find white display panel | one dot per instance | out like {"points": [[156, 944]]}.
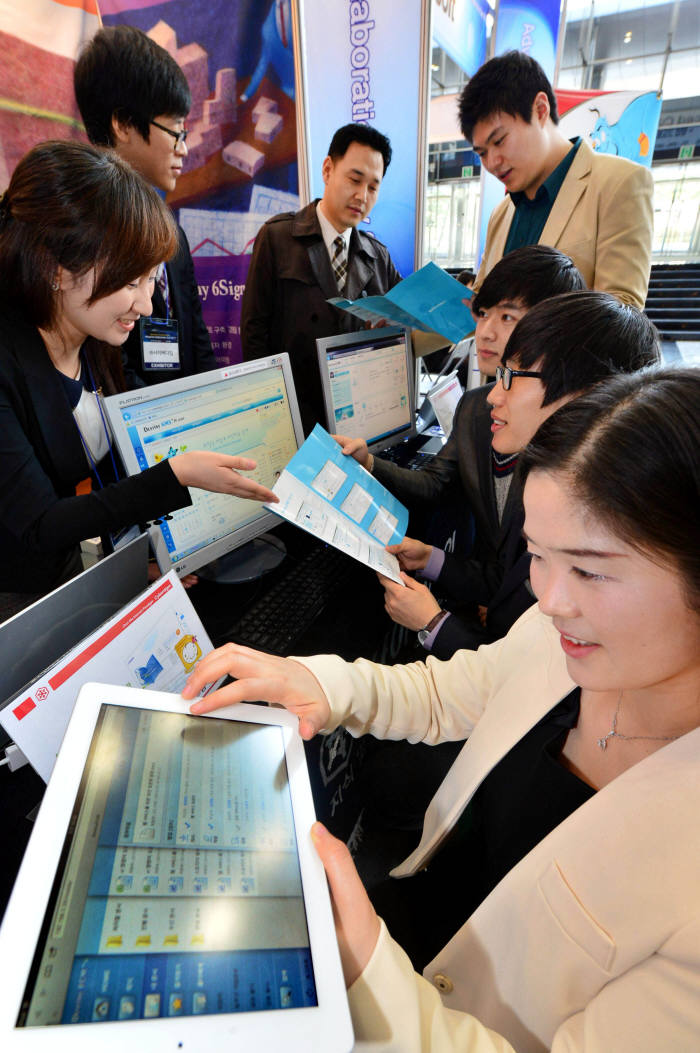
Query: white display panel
{"points": [[368, 385], [178, 896], [249, 410]]}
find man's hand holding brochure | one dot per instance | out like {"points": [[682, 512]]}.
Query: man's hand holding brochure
{"points": [[333, 497], [430, 300]]}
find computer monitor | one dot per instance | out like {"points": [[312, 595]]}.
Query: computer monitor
{"points": [[368, 385], [40, 634], [246, 410], [444, 398]]}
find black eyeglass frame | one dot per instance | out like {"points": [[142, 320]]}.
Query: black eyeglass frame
{"points": [[505, 374], [179, 137]]}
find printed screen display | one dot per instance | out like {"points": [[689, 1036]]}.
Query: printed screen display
{"points": [[246, 415], [370, 388], [179, 891]]}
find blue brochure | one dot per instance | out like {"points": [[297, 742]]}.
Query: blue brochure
{"points": [[333, 497], [430, 299]]}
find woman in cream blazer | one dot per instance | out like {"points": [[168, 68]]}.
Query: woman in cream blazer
{"points": [[591, 941], [596, 932]]}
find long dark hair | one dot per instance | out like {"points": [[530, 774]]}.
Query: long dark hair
{"points": [[78, 207], [628, 450]]}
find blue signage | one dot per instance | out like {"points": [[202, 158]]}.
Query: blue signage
{"points": [[459, 28], [363, 62]]}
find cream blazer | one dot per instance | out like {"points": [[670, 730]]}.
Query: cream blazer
{"points": [[602, 218], [592, 942]]}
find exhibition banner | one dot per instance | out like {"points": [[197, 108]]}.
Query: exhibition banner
{"points": [[241, 167], [531, 26], [366, 62], [623, 123], [459, 28], [39, 40]]}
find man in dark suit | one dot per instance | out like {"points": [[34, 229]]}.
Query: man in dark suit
{"points": [[562, 347], [301, 260], [495, 576], [134, 98]]}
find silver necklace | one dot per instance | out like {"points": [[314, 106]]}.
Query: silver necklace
{"points": [[615, 734]]}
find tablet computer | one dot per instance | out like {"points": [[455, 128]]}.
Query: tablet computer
{"points": [[170, 896]]}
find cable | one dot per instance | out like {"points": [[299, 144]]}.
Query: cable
{"points": [[14, 758]]}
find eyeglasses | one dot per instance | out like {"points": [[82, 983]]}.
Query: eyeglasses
{"points": [[179, 137], [505, 375]]}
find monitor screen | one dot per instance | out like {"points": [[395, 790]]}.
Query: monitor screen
{"points": [[247, 410], [178, 892], [368, 385], [39, 635], [445, 397]]}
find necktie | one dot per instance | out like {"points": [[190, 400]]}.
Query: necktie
{"points": [[339, 262], [162, 283]]}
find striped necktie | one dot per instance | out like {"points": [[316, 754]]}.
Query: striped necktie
{"points": [[339, 262], [162, 283]]}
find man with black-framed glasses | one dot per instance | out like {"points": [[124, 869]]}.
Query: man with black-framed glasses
{"points": [[505, 375], [559, 348], [134, 98], [180, 135]]}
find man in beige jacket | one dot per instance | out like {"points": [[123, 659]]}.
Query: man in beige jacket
{"points": [[596, 208]]}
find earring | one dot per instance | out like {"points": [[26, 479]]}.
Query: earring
{"points": [[55, 286]]}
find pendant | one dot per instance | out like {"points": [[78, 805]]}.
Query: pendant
{"points": [[603, 743]]}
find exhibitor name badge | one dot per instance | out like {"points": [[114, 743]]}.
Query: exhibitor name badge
{"points": [[160, 347]]}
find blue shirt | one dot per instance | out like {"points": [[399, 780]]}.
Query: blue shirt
{"points": [[531, 215]]}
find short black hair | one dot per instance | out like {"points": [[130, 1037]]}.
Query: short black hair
{"points": [[628, 451], [505, 84], [122, 73], [580, 338], [363, 134], [466, 277], [528, 275]]}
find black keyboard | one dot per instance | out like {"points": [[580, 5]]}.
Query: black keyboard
{"points": [[398, 456], [413, 453], [277, 620]]}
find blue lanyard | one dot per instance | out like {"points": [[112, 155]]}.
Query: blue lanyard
{"points": [[91, 461]]}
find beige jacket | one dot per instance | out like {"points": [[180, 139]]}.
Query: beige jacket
{"points": [[602, 218], [592, 942]]}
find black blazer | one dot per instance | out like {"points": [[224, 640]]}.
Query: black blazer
{"points": [[196, 355], [497, 573], [42, 459], [285, 300]]}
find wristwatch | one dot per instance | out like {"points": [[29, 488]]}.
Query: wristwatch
{"points": [[425, 632]]}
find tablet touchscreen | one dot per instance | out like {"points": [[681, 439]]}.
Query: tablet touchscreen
{"points": [[178, 891]]}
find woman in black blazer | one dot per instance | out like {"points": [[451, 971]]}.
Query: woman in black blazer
{"points": [[81, 236]]}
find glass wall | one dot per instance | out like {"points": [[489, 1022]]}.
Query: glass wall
{"points": [[608, 45], [632, 45], [676, 213], [451, 218]]}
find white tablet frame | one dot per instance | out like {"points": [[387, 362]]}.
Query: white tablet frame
{"points": [[326, 1026]]}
